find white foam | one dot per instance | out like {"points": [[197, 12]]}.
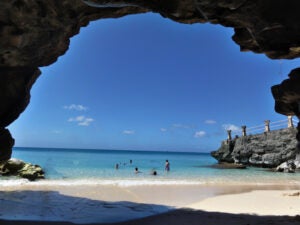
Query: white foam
{"points": [[121, 183], [13, 182], [143, 182]]}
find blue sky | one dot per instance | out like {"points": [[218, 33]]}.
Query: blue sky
{"points": [[142, 82]]}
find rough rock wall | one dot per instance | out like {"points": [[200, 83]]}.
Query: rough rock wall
{"points": [[287, 94], [263, 150], [287, 98], [34, 33]]}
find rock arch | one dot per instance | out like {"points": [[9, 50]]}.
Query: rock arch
{"points": [[34, 33]]}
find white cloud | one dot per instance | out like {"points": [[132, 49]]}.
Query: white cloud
{"points": [[178, 125], [199, 134], [56, 131], [81, 120], [128, 132], [163, 129], [231, 127], [75, 107], [210, 121], [76, 119], [86, 122]]}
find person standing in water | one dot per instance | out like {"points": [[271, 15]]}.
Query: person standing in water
{"points": [[167, 166]]}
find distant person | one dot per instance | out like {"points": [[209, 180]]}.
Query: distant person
{"points": [[117, 166], [136, 170], [167, 166], [153, 172], [130, 161]]}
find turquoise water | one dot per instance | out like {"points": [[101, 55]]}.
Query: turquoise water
{"points": [[98, 166]]}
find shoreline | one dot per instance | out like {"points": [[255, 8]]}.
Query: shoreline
{"points": [[101, 204]]}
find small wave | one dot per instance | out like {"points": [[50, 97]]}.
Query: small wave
{"points": [[141, 182], [121, 183], [13, 182], [147, 181]]}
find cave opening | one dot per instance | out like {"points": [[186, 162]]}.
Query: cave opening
{"points": [[142, 82]]}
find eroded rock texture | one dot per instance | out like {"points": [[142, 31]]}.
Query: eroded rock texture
{"points": [[34, 33], [15, 167], [287, 94], [268, 149], [287, 98]]}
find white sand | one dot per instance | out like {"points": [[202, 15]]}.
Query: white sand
{"points": [[255, 202], [110, 203]]}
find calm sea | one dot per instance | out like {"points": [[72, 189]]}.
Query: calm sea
{"points": [[98, 167]]}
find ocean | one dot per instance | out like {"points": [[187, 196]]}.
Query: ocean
{"points": [[67, 166]]}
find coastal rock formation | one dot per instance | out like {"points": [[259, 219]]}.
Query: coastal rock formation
{"points": [[268, 149], [35, 33], [16, 167], [288, 167], [287, 98]]}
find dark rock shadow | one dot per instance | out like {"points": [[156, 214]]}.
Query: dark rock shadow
{"points": [[185, 217], [42, 206], [199, 217], [52, 203]]}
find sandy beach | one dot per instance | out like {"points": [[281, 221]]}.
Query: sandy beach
{"points": [[41, 203]]}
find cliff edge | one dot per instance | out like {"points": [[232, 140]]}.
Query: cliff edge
{"points": [[269, 149]]}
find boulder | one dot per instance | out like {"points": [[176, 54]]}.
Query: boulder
{"points": [[16, 167], [287, 167]]}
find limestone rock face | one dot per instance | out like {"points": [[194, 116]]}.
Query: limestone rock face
{"points": [[224, 153], [16, 167], [263, 150], [35, 33]]}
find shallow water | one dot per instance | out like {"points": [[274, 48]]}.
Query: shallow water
{"points": [[72, 166]]}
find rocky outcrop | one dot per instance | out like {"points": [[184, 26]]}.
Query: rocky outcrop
{"points": [[16, 167], [264, 150], [287, 94], [287, 100], [35, 33], [288, 167]]}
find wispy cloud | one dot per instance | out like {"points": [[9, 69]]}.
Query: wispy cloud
{"points": [[163, 129], [81, 120], [128, 132], [179, 125], [231, 127], [210, 121], [75, 107], [56, 131], [199, 134]]}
